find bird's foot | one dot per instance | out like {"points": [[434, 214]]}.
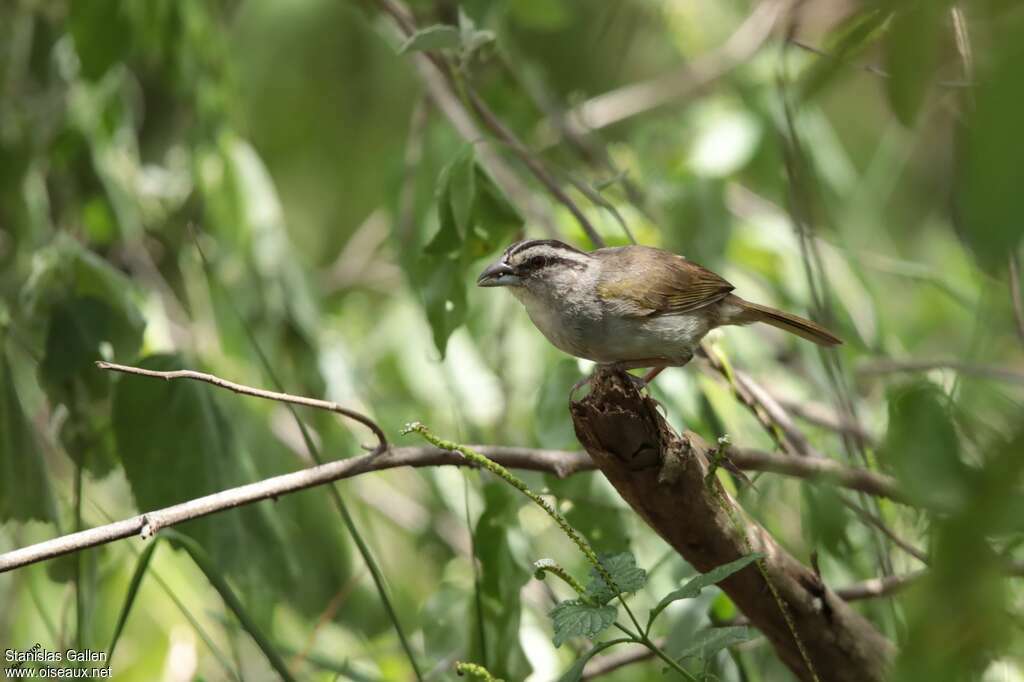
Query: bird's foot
{"points": [[577, 386]]}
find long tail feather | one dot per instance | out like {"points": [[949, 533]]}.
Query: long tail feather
{"points": [[794, 324]]}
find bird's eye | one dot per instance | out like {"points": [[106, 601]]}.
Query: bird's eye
{"points": [[537, 262]]}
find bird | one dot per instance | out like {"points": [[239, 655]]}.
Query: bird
{"points": [[629, 307]]}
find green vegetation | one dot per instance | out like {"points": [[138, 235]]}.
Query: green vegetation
{"points": [[298, 196]]}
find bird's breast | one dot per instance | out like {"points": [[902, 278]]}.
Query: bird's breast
{"points": [[587, 330]]}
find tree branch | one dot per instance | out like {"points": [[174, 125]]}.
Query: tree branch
{"points": [[382, 440], [812, 468], [557, 462], [664, 477], [993, 372], [406, 25], [639, 98]]}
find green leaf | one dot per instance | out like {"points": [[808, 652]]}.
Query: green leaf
{"points": [[175, 445], [825, 518], [922, 446], [577, 618], [595, 511], [549, 419], [444, 298], [575, 672], [78, 328], [988, 189], [102, 34], [494, 219], [141, 566], [502, 577], [696, 585], [456, 193], [217, 580], [24, 488], [623, 570], [912, 55], [436, 37], [707, 643], [462, 187]]}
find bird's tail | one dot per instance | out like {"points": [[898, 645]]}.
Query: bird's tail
{"points": [[794, 324]]}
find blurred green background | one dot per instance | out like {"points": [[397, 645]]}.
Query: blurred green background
{"points": [[264, 190]]}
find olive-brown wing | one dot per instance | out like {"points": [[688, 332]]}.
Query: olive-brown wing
{"points": [[644, 282]]}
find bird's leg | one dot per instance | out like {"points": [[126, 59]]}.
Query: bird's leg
{"points": [[654, 371], [577, 386]]}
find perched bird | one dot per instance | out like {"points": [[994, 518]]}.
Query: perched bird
{"points": [[628, 306]]}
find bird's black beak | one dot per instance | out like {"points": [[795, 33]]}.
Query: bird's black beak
{"points": [[497, 275]]}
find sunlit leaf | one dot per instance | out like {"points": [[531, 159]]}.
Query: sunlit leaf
{"points": [[435, 37], [231, 600]]}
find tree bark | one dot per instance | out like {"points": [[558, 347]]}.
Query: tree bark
{"points": [[661, 474]]}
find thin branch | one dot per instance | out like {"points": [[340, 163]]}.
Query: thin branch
{"points": [[996, 373], [556, 462], [812, 468], [821, 415], [872, 520], [608, 663], [382, 440], [871, 68], [406, 25], [686, 81], [879, 587]]}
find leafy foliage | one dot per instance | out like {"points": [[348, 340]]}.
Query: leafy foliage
{"points": [[578, 618], [694, 587], [25, 490], [624, 572], [268, 188], [502, 577]]}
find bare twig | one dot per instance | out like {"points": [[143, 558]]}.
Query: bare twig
{"points": [[639, 98], [552, 461], [823, 416], [1004, 374], [382, 440], [623, 656], [879, 587], [1015, 296], [407, 26], [873, 520], [812, 468], [772, 417], [871, 68]]}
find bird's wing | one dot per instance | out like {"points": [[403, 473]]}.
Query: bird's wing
{"points": [[659, 283]]}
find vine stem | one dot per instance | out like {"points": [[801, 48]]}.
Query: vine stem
{"points": [[639, 637], [716, 489], [510, 478]]}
